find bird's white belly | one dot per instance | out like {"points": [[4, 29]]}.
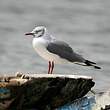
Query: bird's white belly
{"points": [[40, 48]]}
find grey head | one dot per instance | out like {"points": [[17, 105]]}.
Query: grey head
{"points": [[38, 31]]}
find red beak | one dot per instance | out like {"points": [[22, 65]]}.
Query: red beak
{"points": [[29, 34]]}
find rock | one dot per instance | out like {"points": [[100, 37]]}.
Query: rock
{"points": [[50, 91]]}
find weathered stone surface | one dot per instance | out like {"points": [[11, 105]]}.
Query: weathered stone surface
{"points": [[46, 92]]}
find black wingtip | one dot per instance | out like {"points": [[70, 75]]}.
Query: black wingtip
{"points": [[90, 63], [97, 67]]}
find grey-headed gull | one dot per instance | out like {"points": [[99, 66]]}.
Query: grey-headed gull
{"points": [[55, 51]]}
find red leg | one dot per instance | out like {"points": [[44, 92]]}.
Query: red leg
{"points": [[49, 67], [52, 67]]}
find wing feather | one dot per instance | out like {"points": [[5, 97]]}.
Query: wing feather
{"points": [[63, 50]]}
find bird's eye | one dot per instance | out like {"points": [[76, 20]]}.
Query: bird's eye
{"points": [[38, 31]]}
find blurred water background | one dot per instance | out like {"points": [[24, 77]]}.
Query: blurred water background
{"points": [[84, 24]]}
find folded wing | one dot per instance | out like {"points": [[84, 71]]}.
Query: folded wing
{"points": [[63, 50]]}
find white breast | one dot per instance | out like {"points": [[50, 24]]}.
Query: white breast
{"points": [[39, 44]]}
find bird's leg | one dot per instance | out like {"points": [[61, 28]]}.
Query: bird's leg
{"points": [[52, 67], [49, 67]]}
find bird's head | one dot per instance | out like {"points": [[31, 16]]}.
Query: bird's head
{"points": [[38, 31]]}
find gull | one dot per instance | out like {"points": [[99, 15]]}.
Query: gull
{"points": [[54, 51]]}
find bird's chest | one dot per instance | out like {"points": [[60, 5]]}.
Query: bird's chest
{"points": [[40, 47]]}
